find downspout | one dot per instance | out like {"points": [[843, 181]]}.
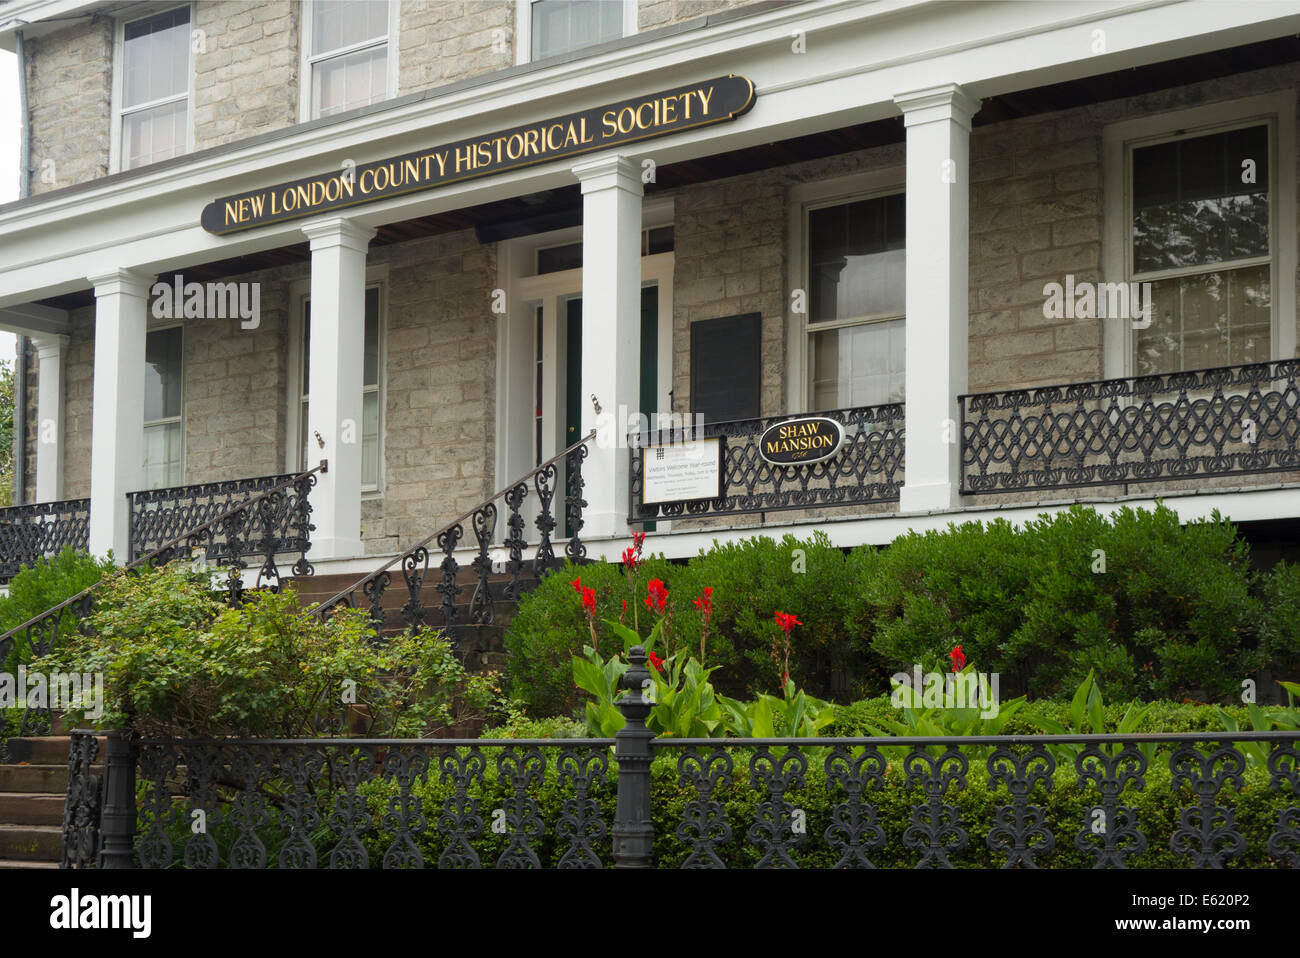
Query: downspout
{"points": [[20, 370]]}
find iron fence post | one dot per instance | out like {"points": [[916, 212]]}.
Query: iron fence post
{"points": [[633, 830], [118, 823]]}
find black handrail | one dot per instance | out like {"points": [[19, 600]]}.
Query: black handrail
{"points": [[414, 561], [166, 547]]}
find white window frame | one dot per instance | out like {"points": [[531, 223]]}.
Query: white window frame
{"points": [[524, 27], [805, 197], [306, 61], [1118, 141], [130, 15], [299, 293], [157, 326]]}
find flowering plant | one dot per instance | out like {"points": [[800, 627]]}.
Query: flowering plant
{"points": [[785, 621], [705, 604], [958, 659]]}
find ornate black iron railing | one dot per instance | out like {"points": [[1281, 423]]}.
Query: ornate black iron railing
{"points": [[281, 521], [868, 468], [546, 479], [1213, 799], [42, 529], [1207, 422], [247, 530]]}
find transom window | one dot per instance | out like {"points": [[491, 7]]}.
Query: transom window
{"points": [[856, 275], [561, 26], [1200, 235], [348, 54], [371, 398], [163, 432], [155, 103]]}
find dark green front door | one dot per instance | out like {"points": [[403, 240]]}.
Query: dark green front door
{"points": [[648, 389]]}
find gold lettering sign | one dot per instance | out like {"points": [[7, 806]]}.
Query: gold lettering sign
{"points": [[798, 442], [659, 114]]}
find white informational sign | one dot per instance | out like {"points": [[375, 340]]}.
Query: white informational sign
{"points": [[682, 471]]}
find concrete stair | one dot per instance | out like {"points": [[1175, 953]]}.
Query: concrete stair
{"points": [[32, 792]]}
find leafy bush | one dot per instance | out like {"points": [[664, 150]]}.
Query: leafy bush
{"points": [[1172, 615], [178, 663], [41, 586], [1280, 628]]}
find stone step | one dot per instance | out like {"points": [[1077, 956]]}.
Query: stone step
{"points": [[31, 842], [30, 808], [46, 750], [12, 865], [41, 779]]}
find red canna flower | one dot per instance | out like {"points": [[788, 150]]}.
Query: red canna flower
{"points": [[631, 558], [656, 661], [658, 597], [958, 659], [638, 540], [787, 621], [577, 586], [589, 600]]}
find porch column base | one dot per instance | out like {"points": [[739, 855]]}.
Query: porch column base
{"points": [[931, 497]]}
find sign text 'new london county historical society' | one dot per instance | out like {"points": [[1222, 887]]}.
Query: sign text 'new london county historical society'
{"points": [[658, 114]]}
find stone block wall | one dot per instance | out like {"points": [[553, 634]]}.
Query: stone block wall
{"points": [[443, 42], [651, 14], [69, 90], [245, 68]]}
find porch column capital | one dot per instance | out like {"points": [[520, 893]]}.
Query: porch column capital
{"points": [[48, 345], [338, 231], [948, 101], [121, 282], [610, 171]]}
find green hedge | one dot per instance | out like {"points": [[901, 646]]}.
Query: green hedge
{"points": [[1156, 609], [41, 586], [1255, 810]]}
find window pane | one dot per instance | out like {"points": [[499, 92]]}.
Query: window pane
{"points": [[560, 26], [1202, 200], [370, 439], [856, 259], [351, 81], [858, 365], [156, 57], [154, 134], [162, 374], [371, 374], [341, 23], [162, 455], [1218, 318]]}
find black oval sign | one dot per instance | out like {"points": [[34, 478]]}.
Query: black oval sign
{"points": [[797, 442]]}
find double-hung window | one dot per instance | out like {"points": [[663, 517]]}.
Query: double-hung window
{"points": [[855, 261], [163, 432], [371, 394], [1200, 235], [553, 27], [347, 61], [154, 99]]}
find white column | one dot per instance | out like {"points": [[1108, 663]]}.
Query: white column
{"points": [[938, 231], [338, 332], [49, 416], [117, 418], [611, 331]]}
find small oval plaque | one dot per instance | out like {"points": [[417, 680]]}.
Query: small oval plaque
{"points": [[798, 442]]}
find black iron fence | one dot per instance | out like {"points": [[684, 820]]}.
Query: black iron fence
{"points": [[546, 482], [42, 529], [1207, 422], [868, 468], [279, 525], [1199, 800]]}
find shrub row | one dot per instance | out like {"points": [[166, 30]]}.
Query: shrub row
{"points": [[1157, 609]]}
